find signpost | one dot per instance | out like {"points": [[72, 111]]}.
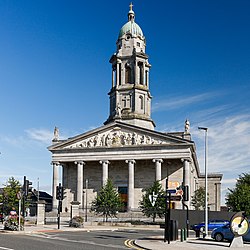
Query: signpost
{"points": [[153, 198], [19, 197], [239, 226]]}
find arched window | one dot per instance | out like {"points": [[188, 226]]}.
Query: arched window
{"points": [[127, 74], [140, 65], [141, 101]]}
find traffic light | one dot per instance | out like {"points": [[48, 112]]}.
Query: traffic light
{"points": [[26, 186], [185, 193], [59, 192]]}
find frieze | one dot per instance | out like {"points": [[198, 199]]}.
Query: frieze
{"points": [[116, 138]]}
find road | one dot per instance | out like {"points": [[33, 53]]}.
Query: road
{"points": [[97, 240]]}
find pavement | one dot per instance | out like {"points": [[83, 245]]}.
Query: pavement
{"points": [[152, 242]]}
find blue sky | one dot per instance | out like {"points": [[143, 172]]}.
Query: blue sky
{"points": [[55, 71]]}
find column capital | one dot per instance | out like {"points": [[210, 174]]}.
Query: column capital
{"points": [[57, 163], [80, 163], [186, 159], [158, 160], [104, 162], [130, 161]]}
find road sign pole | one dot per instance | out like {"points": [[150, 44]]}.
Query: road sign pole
{"points": [[19, 214], [167, 214]]}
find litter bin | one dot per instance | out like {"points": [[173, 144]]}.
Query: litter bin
{"points": [[173, 230]]}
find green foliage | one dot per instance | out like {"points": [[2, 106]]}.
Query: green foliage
{"points": [[198, 199], [158, 209], [107, 202], [238, 199], [9, 196]]}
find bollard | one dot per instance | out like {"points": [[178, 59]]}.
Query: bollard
{"points": [[197, 233], [185, 233], [182, 235]]}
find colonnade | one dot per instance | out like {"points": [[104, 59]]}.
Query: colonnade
{"points": [[105, 169]]}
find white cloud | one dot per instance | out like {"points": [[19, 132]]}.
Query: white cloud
{"points": [[228, 144], [180, 101], [42, 135], [228, 148], [12, 140]]}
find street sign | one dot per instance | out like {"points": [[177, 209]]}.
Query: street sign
{"points": [[179, 192], [172, 191], [153, 198]]}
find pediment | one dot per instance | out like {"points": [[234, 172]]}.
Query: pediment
{"points": [[117, 135]]}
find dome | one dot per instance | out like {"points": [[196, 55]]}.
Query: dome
{"points": [[132, 28]]}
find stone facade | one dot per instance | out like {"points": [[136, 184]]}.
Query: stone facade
{"points": [[214, 190], [127, 149]]}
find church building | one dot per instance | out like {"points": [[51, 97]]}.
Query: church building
{"points": [[127, 148]]}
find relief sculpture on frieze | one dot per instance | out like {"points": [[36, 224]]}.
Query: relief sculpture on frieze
{"points": [[116, 138]]}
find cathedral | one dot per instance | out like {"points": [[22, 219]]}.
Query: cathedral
{"points": [[127, 148]]}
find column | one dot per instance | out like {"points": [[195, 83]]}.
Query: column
{"points": [[186, 177], [79, 182], [131, 177], [113, 78], [118, 72], [105, 171], [136, 73], [143, 74], [55, 184], [158, 163]]}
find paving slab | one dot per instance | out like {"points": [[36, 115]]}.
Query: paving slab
{"points": [[191, 244]]}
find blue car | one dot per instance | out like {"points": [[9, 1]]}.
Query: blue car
{"points": [[212, 224], [224, 233]]}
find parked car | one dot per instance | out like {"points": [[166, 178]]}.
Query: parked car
{"points": [[224, 233], [212, 224]]}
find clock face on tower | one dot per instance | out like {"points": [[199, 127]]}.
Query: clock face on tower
{"points": [[239, 224]]}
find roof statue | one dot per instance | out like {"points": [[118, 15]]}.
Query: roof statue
{"points": [[56, 134], [187, 126]]}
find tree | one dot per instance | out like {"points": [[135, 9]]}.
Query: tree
{"points": [[238, 198], [107, 202], [198, 199], [9, 195], [156, 209]]}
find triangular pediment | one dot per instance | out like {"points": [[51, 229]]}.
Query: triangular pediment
{"points": [[117, 134]]}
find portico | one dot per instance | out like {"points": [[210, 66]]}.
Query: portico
{"points": [[152, 156]]}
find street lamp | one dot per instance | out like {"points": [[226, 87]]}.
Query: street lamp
{"points": [[206, 198], [86, 201]]}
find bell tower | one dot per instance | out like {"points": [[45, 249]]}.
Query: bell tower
{"points": [[130, 99]]}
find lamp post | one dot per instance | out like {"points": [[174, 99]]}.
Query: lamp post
{"points": [[86, 201], [206, 198]]}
